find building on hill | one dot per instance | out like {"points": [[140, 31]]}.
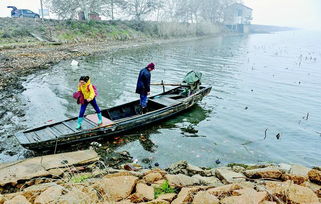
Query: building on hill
{"points": [[237, 17]]}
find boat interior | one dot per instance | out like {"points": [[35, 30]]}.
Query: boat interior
{"points": [[157, 102], [110, 116]]}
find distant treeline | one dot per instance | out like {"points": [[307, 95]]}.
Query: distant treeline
{"points": [[189, 11], [267, 28]]}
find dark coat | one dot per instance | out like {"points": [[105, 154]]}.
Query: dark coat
{"points": [[143, 82]]}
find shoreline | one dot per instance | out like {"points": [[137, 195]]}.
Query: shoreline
{"points": [[16, 63], [85, 177], [20, 61]]}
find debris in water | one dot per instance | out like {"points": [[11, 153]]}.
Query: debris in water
{"points": [[156, 164], [74, 63], [265, 133], [218, 161], [278, 136], [246, 108]]}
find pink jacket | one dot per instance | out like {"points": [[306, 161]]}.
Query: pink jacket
{"points": [[79, 97]]}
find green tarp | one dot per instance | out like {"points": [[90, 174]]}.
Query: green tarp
{"points": [[192, 78]]}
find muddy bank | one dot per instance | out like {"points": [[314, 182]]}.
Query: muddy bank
{"points": [[86, 177]]}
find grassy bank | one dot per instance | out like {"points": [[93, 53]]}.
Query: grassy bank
{"points": [[27, 45], [17, 31]]}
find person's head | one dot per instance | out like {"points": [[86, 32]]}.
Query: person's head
{"points": [[83, 80], [151, 67]]}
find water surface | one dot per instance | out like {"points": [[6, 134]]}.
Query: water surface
{"points": [[263, 85]]}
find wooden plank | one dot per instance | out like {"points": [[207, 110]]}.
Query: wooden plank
{"points": [[63, 129], [22, 137], [71, 124], [93, 118], [45, 134], [87, 124], [33, 136], [165, 101]]}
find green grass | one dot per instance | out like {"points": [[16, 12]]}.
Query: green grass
{"points": [[80, 178], [163, 189]]}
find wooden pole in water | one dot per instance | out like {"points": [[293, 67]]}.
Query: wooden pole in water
{"points": [[163, 86]]}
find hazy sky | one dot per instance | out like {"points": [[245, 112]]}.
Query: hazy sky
{"points": [[297, 13]]}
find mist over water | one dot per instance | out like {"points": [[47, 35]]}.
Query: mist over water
{"points": [[265, 83]]}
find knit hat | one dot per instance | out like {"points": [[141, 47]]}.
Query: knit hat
{"points": [[151, 66]]}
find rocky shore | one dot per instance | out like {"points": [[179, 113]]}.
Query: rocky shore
{"points": [[84, 177]]}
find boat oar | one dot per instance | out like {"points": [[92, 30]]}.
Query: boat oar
{"points": [[161, 84]]}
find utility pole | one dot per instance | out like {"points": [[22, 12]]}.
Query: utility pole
{"points": [[41, 9]]}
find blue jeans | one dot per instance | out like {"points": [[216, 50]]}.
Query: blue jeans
{"points": [[143, 100], [84, 106]]}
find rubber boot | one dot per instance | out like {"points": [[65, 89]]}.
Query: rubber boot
{"points": [[79, 121], [144, 110], [100, 119]]}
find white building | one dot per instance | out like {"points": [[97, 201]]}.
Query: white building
{"points": [[237, 17]]}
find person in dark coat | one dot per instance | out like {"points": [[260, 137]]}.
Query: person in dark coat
{"points": [[143, 85]]}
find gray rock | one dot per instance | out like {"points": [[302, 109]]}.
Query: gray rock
{"points": [[238, 169], [177, 167], [299, 170], [181, 180], [192, 170], [285, 168], [268, 172], [227, 176], [210, 181]]}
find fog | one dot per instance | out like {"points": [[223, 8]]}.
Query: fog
{"points": [[294, 13]]}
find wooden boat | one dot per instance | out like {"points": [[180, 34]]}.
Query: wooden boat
{"points": [[116, 120]]}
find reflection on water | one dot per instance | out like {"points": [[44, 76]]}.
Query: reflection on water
{"points": [[264, 86]]}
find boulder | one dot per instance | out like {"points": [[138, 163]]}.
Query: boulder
{"points": [[267, 172], [224, 190], [291, 192], [315, 176], [162, 172], [157, 201], [181, 180], [298, 174], [79, 194], [178, 167], [211, 181], [119, 173], [186, 194], [285, 168], [18, 200], [143, 193], [52, 194], [203, 197], [192, 170], [314, 187], [122, 202], [152, 177], [158, 183], [227, 176], [167, 196], [116, 188], [238, 169], [246, 196], [2, 199], [35, 190]]}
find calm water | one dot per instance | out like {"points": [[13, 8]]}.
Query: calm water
{"points": [[266, 83]]}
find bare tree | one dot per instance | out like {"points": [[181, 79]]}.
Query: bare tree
{"points": [[139, 8]]}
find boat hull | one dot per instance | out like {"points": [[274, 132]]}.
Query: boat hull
{"points": [[119, 126]]}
